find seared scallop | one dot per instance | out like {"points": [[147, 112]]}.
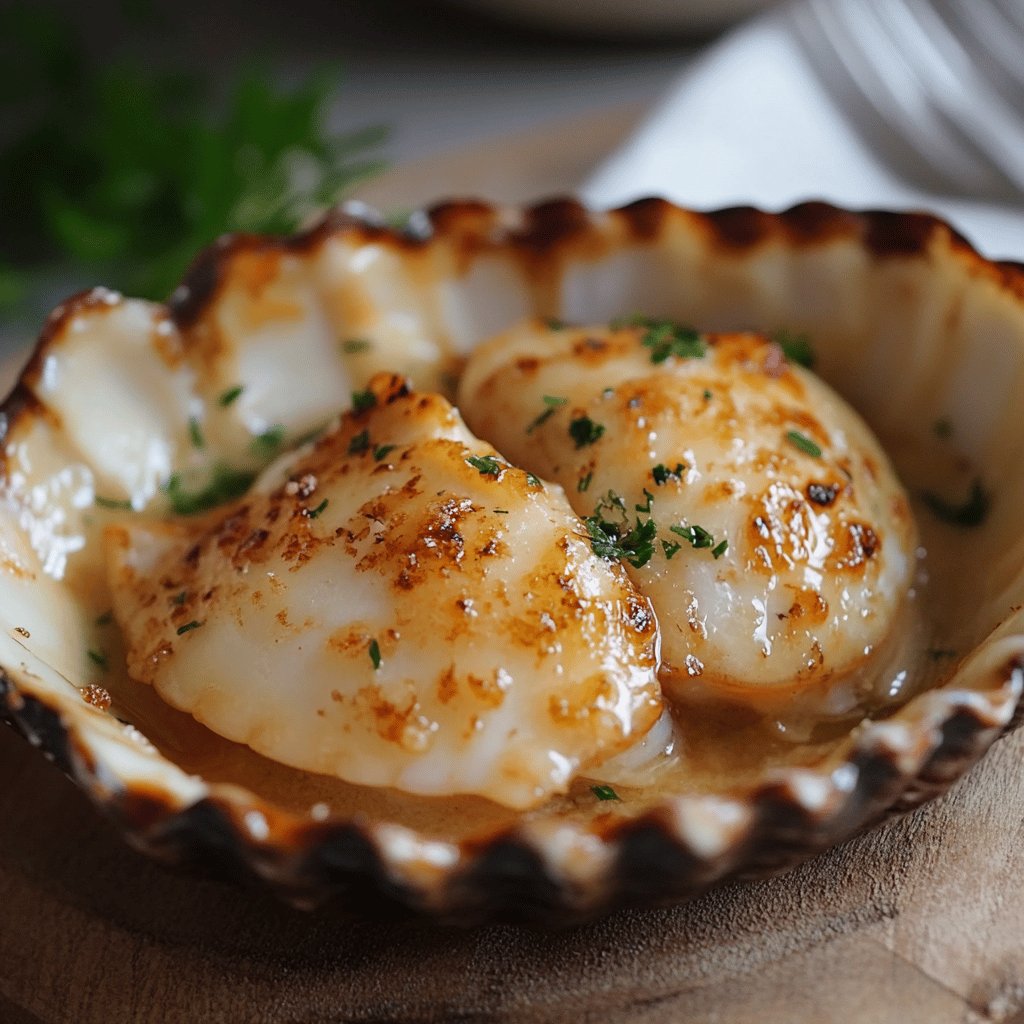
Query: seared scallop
{"points": [[747, 499], [399, 606]]}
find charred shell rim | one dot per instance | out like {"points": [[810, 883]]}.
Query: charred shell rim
{"points": [[548, 872]]}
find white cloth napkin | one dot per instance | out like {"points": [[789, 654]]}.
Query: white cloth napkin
{"points": [[751, 123]]}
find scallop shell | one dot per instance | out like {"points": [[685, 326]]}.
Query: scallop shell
{"points": [[909, 322]]}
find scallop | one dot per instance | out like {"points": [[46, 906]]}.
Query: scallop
{"points": [[751, 504], [398, 606]]}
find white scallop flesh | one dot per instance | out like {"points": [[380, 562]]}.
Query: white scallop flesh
{"points": [[397, 606], [793, 543]]}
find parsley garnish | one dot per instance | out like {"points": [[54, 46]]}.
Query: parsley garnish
{"points": [[662, 474], [720, 549], [121, 504], [552, 323], [614, 540], [707, 395], [533, 481], [552, 402], [105, 619], [795, 347], [266, 445], [584, 482], [667, 338], [375, 654], [195, 432], [312, 513], [604, 793], [804, 443], [382, 450], [179, 599], [972, 512], [98, 658], [485, 465], [696, 535], [354, 345], [670, 547], [188, 627], [363, 400], [230, 396], [646, 507], [360, 443], [584, 431], [226, 485]]}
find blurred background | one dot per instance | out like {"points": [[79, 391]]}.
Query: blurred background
{"points": [[136, 131]]}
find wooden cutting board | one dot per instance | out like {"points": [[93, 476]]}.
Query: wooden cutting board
{"points": [[920, 921]]}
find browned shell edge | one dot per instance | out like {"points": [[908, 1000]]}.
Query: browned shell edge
{"points": [[506, 876]]}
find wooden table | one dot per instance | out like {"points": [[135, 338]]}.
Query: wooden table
{"points": [[921, 921]]}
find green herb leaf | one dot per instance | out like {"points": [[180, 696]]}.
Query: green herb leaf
{"points": [[666, 338], [604, 793], [552, 404], [583, 484], [485, 465], [230, 396], [363, 400], [375, 654], [195, 432], [796, 348], [359, 443], [105, 619], [662, 474], [720, 549], [803, 443], [119, 504], [584, 431], [353, 345], [645, 507], [188, 627], [617, 540], [553, 323], [670, 547], [313, 513], [382, 451], [225, 485], [533, 481], [972, 512], [266, 445], [697, 536], [98, 658], [179, 599]]}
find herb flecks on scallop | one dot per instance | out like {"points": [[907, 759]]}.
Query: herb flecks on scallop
{"points": [[463, 594], [759, 514]]}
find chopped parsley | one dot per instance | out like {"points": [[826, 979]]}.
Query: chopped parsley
{"points": [[803, 443], [645, 507], [584, 431], [179, 599], [188, 627], [720, 549], [795, 347], [382, 451], [121, 504], [225, 485], [363, 400], [485, 465], [230, 396], [552, 402], [265, 446], [604, 793], [618, 540], [98, 658], [375, 654], [707, 395], [533, 481], [195, 432], [353, 345], [360, 443], [662, 474], [105, 619], [312, 513], [670, 547], [970, 513], [584, 482], [696, 535], [552, 323], [667, 338]]}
